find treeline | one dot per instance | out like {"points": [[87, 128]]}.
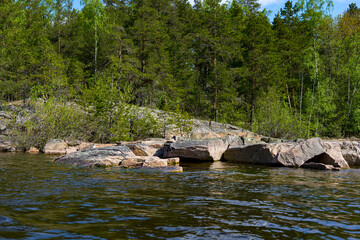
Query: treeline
{"points": [[298, 75]]}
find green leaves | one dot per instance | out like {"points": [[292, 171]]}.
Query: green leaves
{"points": [[214, 61]]}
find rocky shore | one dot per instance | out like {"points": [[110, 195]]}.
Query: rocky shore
{"points": [[207, 141], [312, 153]]}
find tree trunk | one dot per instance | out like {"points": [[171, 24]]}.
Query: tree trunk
{"points": [[287, 91]]}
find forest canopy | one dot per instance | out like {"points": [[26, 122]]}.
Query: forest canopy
{"points": [[297, 75]]}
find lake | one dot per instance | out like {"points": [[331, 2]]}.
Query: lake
{"points": [[43, 200]]}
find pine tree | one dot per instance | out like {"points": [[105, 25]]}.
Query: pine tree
{"points": [[150, 37], [261, 61]]}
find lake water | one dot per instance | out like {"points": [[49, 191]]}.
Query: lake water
{"points": [[42, 200]]}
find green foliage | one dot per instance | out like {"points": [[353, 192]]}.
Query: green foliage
{"points": [[114, 120], [51, 119], [213, 61], [273, 117]]}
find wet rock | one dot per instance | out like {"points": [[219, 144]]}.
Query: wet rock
{"points": [[295, 155], [144, 162], [173, 161], [319, 166], [202, 150], [288, 154], [56, 147], [106, 156], [244, 154], [155, 162], [111, 156], [131, 163]]}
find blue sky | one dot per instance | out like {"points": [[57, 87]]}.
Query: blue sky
{"points": [[339, 6], [274, 5]]}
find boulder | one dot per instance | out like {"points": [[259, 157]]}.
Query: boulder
{"points": [[201, 150], [333, 156], [33, 150], [244, 154], [144, 162], [55, 146], [289, 154], [98, 157], [319, 166], [295, 155], [173, 161], [140, 149], [7, 146], [155, 162], [131, 163], [119, 155], [351, 152]]}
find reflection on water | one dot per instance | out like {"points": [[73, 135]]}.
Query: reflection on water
{"points": [[42, 200]]}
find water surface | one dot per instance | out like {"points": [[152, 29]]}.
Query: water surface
{"points": [[43, 200]]}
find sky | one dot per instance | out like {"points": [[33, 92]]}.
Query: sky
{"points": [[340, 6]]}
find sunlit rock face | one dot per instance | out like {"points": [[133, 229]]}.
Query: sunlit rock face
{"points": [[312, 153], [120, 155], [199, 150]]}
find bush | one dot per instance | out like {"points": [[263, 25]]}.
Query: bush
{"points": [[49, 120], [274, 118]]}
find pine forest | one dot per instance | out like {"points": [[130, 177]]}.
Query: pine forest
{"points": [[297, 75]]}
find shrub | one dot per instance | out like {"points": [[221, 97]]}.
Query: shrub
{"points": [[49, 120], [274, 118]]}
